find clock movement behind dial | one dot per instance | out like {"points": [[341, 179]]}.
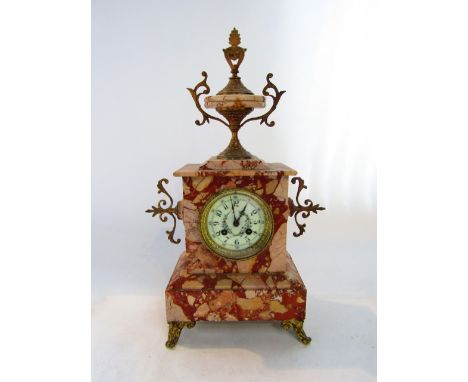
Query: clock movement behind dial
{"points": [[235, 208]]}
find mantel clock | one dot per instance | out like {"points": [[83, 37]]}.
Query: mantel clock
{"points": [[235, 208]]}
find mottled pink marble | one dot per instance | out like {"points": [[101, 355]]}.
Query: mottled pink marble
{"points": [[205, 286], [198, 189], [226, 168], [234, 101], [235, 296]]}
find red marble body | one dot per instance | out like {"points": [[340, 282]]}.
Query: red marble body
{"points": [[197, 190], [235, 296], [205, 286]]}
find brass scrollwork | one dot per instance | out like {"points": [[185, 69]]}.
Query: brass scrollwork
{"points": [[196, 98], [276, 97], [298, 327], [163, 211], [305, 209]]}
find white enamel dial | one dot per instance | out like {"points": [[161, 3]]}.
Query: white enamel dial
{"points": [[236, 224]]}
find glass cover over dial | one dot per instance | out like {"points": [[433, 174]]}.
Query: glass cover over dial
{"points": [[236, 224]]}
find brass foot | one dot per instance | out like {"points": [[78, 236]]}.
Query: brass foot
{"points": [[175, 327], [298, 328]]}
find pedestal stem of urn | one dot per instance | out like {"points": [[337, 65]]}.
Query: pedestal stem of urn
{"points": [[234, 149]]}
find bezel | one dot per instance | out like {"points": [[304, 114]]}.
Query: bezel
{"points": [[229, 254]]}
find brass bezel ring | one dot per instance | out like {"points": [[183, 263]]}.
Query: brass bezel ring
{"points": [[228, 254]]}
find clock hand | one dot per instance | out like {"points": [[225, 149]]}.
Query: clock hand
{"points": [[241, 213], [233, 213]]}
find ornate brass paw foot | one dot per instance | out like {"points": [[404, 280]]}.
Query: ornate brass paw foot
{"points": [[298, 328], [175, 327]]}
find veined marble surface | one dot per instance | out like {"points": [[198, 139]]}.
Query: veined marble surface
{"points": [[235, 296], [236, 101], [244, 167], [198, 189]]}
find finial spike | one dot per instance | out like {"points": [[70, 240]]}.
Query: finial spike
{"points": [[234, 38]]}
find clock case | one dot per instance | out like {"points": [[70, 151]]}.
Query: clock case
{"points": [[205, 286]]}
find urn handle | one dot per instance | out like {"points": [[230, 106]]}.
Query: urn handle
{"points": [[196, 94], [163, 210], [276, 97], [305, 209]]}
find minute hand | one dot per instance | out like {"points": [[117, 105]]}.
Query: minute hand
{"points": [[241, 213]]}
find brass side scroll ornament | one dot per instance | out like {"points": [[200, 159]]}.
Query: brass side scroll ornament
{"points": [[196, 98], [305, 209], [163, 211], [276, 97]]}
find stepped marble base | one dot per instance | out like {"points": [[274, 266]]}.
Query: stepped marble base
{"points": [[216, 297]]}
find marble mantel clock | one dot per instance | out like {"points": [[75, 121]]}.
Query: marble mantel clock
{"points": [[235, 207]]}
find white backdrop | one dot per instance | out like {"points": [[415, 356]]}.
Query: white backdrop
{"points": [[144, 55]]}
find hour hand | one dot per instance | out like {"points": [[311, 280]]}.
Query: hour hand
{"points": [[233, 213]]}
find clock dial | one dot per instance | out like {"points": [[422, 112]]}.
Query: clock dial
{"points": [[236, 224]]}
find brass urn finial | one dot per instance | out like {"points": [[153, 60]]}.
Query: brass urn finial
{"points": [[234, 56], [234, 37]]}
